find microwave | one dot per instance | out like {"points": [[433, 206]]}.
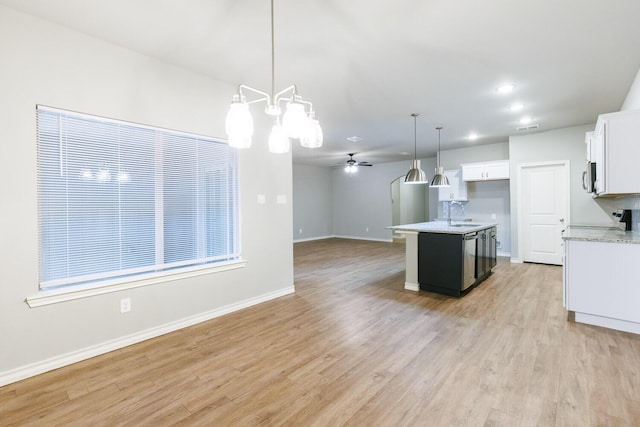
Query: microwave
{"points": [[589, 177]]}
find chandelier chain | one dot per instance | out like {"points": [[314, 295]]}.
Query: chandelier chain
{"points": [[273, 55]]}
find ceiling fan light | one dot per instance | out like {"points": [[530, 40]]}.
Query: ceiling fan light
{"points": [[239, 125], [440, 179], [295, 120], [278, 140]]}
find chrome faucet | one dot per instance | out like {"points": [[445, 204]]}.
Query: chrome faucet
{"points": [[451, 203]]}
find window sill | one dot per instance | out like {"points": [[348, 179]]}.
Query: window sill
{"points": [[55, 296]]}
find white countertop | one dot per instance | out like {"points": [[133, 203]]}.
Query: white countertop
{"points": [[456, 227], [600, 234]]}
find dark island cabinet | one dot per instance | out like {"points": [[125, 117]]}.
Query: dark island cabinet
{"points": [[486, 257]]}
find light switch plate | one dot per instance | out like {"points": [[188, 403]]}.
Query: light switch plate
{"points": [[281, 199], [262, 199]]}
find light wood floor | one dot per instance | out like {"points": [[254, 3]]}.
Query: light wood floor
{"points": [[352, 347]]}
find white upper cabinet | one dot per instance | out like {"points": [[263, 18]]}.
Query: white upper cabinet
{"points": [[485, 171], [615, 148], [457, 189], [587, 140]]}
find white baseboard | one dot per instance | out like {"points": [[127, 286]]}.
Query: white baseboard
{"points": [[389, 240], [516, 260], [504, 254], [309, 239], [607, 322], [412, 286], [43, 366]]}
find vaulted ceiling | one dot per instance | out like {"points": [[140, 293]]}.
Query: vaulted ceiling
{"points": [[367, 65]]}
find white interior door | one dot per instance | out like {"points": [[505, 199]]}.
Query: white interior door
{"points": [[544, 195]]}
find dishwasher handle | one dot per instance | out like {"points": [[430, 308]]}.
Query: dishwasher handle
{"points": [[473, 236]]}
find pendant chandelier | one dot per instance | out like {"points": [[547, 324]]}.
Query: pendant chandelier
{"points": [[296, 123], [439, 179], [415, 174]]}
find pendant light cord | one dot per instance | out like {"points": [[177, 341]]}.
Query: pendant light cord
{"points": [[415, 136], [439, 129]]}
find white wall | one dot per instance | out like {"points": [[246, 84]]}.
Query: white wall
{"points": [[452, 159], [560, 144], [43, 63], [313, 202], [632, 101], [362, 200]]}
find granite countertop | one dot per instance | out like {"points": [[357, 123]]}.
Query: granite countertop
{"points": [[456, 227], [600, 234]]}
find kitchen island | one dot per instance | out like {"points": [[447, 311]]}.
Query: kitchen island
{"points": [[599, 276], [445, 257]]}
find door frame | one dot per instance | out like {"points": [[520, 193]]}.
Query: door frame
{"points": [[567, 172]]}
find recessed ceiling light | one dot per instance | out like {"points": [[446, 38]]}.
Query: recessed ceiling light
{"points": [[506, 88], [525, 120], [516, 107], [472, 136], [354, 139]]}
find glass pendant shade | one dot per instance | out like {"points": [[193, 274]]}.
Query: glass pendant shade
{"points": [[295, 120], [415, 175], [350, 169], [239, 125], [312, 137], [278, 140], [440, 179]]}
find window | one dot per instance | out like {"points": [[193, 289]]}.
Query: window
{"points": [[118, 200]]}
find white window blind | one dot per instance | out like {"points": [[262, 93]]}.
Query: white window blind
{"points": [[117, 199]]}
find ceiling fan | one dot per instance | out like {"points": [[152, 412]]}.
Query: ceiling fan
{"points": [[352, 164]]}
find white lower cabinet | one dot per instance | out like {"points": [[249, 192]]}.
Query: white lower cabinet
{"points": [[601, 283]]}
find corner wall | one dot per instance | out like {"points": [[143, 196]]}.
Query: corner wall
{"points": [[560, 144], [43, 63], [313, 203], [632, 101], [362, 201]]}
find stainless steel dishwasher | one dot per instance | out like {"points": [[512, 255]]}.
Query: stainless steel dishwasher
{"points": [[469, 260]]}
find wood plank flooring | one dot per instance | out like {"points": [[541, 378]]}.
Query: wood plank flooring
{"points": [[352, 347]]}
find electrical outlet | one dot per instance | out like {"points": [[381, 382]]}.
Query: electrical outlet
{"points": [[367, 229], [498, 244], [125, 305], [493, 216], [300, 231]]}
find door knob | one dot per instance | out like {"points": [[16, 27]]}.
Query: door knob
{"points": [[561, 219]]}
